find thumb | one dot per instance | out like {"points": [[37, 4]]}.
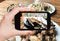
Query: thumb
{"points": [[24, 32]]}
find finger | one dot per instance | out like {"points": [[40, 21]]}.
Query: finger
{"points": [[24, 33], [17, 9]]}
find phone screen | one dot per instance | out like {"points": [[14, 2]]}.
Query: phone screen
{"points": [[32, 20]]}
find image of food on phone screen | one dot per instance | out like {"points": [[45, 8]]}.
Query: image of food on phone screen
{"points": [[31, 20]]}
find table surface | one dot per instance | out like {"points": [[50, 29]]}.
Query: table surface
{"points": [[56, 17]]}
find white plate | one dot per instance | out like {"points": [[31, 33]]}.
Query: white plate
{"points": [[52, 7], [57, 27]]}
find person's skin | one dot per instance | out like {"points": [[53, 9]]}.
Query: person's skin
{"points": [[6, 27]]}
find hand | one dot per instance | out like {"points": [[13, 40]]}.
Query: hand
{"points": [[6, 27]]}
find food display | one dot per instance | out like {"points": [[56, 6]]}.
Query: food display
{"points": [[42, 35], [42, 6]]}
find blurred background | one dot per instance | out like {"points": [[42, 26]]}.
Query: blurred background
{"points": [[6, 3], [56, 3]]}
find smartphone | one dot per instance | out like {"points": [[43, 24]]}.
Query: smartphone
{"points": [[32, 20]]}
